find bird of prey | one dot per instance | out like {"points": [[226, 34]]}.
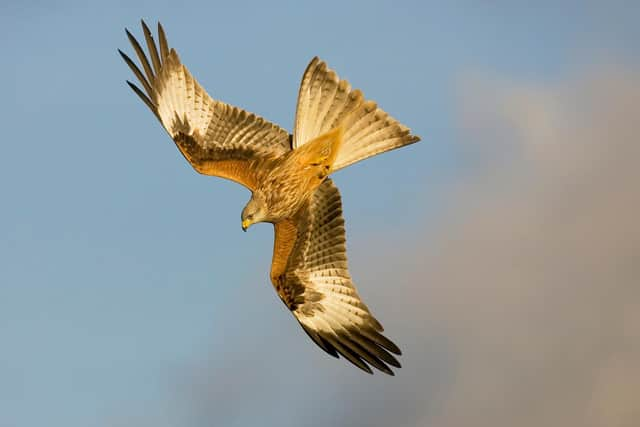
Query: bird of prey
{"points": [[335, 126]]}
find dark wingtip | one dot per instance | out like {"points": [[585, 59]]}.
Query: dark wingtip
{"points": [[368, 370], [123, 55], [389, 345], [145, 99], [398, 352], [145, 28], [393, 362], [164, 46]]}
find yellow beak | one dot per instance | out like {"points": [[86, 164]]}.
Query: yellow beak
{"points": [[245, 224]]}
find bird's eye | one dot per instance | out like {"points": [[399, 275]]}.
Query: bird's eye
{"points": [[249, 217]]}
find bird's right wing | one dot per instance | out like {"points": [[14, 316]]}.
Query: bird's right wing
{"points": [[309, 271], [216, 138]]}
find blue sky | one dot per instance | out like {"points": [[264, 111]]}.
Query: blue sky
{"points": [[126, 284]]}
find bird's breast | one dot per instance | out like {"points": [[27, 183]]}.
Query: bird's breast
{"points": [[289, 185]]}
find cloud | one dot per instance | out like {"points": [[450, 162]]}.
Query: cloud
{"points": [[538, 272], [518, 307]]}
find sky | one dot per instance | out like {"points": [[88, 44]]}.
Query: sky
{"points": [[500, 253]]}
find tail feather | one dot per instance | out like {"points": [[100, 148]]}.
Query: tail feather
{"points": [[369, 131], [322, 151], [325, 102]]}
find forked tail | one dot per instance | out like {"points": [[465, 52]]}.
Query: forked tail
{"points": [[326, 103]]}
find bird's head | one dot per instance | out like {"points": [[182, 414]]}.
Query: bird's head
{"points": [[254, 211]]}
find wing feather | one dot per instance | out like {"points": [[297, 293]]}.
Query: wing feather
{"points": [[309, 271], [151, 46], [216, 138]]}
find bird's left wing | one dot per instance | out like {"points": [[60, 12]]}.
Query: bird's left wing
{"points": [[216, 138], [309, 272]]}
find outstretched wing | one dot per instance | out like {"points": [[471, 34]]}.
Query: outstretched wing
{"points": [[216, 138], [309, 271], [325, 102]]}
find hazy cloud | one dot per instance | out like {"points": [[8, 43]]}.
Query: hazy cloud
{"points": [[538, 273]]}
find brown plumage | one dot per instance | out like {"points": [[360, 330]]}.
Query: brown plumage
{"points": [[288, 176]]}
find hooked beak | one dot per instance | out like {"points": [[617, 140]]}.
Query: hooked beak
{"points": [[245, 224]]}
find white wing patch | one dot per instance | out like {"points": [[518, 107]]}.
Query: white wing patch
{"points": [[179, 95]]}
